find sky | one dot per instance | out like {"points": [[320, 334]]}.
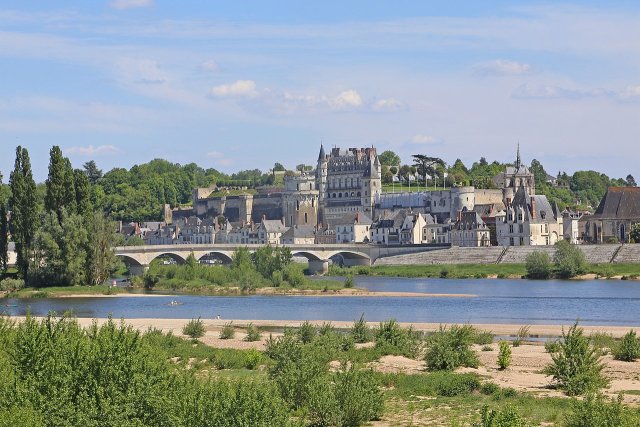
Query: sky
{"points": [[242, 85]]}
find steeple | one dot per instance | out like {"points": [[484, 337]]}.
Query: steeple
{"points": [[518, 162], [321, 156]]}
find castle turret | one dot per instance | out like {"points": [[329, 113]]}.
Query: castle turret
{"points": [[321, 181]]}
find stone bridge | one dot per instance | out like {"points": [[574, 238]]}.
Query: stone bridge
{"points": [[138, 258]]}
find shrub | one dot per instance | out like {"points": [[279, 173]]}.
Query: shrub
{"points": [[507, 417], [628, 349], [538, 265], [228, 331], [11, 285], [253, 359], [391, 338], [487, 348], [348, 283], [504, 355], [602, 341], [444, 273], [521, 336], [552, 346], [326, 329], [569, 260], [448, 384], [253, 333], [276, 278], [597, 411], [360, 332], [306, 332], [449, 349], [194, 329], [576, 367], [483, 337]]}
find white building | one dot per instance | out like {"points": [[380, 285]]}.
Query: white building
{"points": [[470, 231], [352, 228]]}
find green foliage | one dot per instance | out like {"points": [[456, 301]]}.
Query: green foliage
{"points": [[228, 331], [348, 283], [450, 348], [360, 332], [194, 329], [391, 338], [538, 265], [569, 260], [504, 355], [306, 332], [389, 158], [24, 210], [598, 411], [482, 337], [4, 235], [634, 233], [507, 417], [521, 336], [628, 349], [576, 368], [11, 285], [253, 333]]}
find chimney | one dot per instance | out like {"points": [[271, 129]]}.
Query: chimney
{"points": [[533, 207], [358, 218], [264, 217]]}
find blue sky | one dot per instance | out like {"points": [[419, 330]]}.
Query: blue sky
{"points": [[236, 85]]}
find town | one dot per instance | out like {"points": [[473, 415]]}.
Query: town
{"points": [[342, 201]]}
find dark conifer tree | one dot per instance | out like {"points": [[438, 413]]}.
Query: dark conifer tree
{"points": [[83, 192], [24, 210], [4, 234]]}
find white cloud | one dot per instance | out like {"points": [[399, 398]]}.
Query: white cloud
{"points": [[346, 100], [239, 88], [219, 158], [131, 4], [145, 71], [420, 139], [210, 65], [503, 67], [91, 150], [387, 105], [630, 92], [526, 91]]}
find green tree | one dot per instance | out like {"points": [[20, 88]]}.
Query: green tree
{"points": [[539, 174], [60, 185], [634, 233], [4, 233], [74, 249], [538, 265], [630, 181], [92, 172], [101, 260], [278, 167], [389, 158], [24, 210], [569, 260], [83, 192]]}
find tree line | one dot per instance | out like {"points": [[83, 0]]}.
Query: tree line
{"points": [[60, 239]]}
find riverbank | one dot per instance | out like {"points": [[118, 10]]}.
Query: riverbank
{"points": [[481, 271]]}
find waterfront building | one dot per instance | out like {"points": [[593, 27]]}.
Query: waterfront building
{"points": [[470, 231], [618, 210], [352, 227]]}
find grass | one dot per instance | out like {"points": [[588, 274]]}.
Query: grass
{"points": [[61, 291], [451, 271]]}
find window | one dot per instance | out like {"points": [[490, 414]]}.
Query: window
{"points": [[511, 228], [521, 241], [521, 228], [511, 241], [305, 218]]}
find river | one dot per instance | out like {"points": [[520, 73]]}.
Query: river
{"points": [[593, 302]]}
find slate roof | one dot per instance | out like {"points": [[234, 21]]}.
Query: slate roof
{"points": [[544, 209], [273, 226], [353, 218], [470, 220], [619, 203], [300, 231]]}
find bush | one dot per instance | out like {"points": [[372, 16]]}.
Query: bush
{"points": [[360, 332], [306, 332], [483, 337], [391, 338], [253, 333], [521, 336], [507, 417], [11, 285], [194, 329], [538, 265], [348, 283], [253, 359], [449, 349], [228, 331], [602, 341], [448, 384], [569, 260], [597, 411], [552, 346], [628, 349], [576, 367], [504, 355]]}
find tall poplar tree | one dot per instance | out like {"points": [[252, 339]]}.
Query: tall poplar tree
{"points": [[4, 233], [54, 197], [83, 192], [24, 210]]}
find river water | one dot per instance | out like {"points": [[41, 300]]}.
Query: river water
{"points": [[593, 302]]}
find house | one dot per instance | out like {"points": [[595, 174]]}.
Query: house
{"points": [[270, 232], [434, 232], [571, 226], [299, 235], [194, 230], [411, 231], [618, 210], [325, 235], [167, 235], [352, 227], [386, 230], [470, 231]]}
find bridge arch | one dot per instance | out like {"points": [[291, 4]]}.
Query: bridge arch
{"points": [[177, 258], [222, 256], [129, 260], [348, 258], [310, 256]]}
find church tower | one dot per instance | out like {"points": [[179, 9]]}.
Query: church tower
{"points": [[321, 182]]}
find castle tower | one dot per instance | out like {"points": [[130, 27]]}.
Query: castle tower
{"points": [[300, 201], [321, 182]]}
